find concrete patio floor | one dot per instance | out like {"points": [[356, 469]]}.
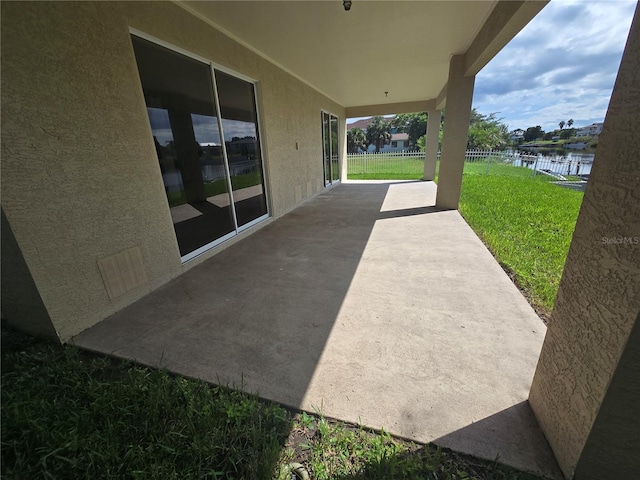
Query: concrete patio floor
{"points": [[367, 304]]}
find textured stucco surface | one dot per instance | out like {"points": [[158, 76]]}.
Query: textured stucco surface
{"points": [[599, 296], [613, 447], [431, 146], [80, 177], [454, 134]]}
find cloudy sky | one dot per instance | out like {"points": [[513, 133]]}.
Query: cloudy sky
{"points": [[562, 65]]}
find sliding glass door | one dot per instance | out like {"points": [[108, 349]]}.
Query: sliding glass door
{"points": [[335, 170], [207, 142], [331, 157], [242, 147]]}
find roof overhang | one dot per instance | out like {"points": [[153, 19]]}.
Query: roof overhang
{"points": [[379, 57]]}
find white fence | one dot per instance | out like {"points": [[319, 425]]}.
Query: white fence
{"points": [[558, 166], [392, 163], [397, 164]]}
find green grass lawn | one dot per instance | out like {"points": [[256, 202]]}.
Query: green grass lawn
{"points": [[70, 414], [384, 167], [385, 176], [500, 169], [527, 223]]}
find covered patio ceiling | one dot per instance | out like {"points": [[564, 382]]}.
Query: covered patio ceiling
{"points": [[354, 57]]}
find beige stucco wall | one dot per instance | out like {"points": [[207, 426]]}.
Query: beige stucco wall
{"points": [[454, 134], [80, 178], [599, 296], [612, 449]]}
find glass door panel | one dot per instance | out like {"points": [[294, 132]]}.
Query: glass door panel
{"points": [[335, 168], [178, 92], [326, 148], [330, 152], [240, 128]]}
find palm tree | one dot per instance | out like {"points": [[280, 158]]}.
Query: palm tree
{"points": [[356, 139], [570, 122], [561, 124], [378, 132]]}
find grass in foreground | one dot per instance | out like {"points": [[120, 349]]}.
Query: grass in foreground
{"points": [[68, 414], [527, 223]]}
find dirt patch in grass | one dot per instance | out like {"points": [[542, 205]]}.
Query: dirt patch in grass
{"points": [[542, 312]]}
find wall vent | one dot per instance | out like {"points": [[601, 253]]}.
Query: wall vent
{"points": [[122, 272]]}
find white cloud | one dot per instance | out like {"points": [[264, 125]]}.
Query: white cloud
{"points": [[562, 65]]}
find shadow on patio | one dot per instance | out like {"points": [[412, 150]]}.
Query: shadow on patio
{"points": [[367, 304]]}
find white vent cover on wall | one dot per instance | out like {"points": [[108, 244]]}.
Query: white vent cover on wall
{"points": [[122, 272]]}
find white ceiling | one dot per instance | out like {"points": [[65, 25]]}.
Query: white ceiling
{"points": [[402, 47]]}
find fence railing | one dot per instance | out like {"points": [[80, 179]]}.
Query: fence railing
{"points": [[395, 163], [557, 166], [412, 163]]}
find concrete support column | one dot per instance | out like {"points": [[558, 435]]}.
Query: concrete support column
{"points": [[454, 136], [431, 144], [342, 148], [585, 392]]}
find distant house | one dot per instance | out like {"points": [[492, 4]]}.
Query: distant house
{"points": [[361, 124], [399, 141], [590, 130], [516, 135]]}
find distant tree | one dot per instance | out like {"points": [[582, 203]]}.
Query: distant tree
{"points": [[422, 140], [570, 122], [568, 133], [356, 139], [486, 132], [476, 116], [533, 133], [378, 132], [562, 124], [413, 124]]}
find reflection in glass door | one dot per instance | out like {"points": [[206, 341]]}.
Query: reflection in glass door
{"points": [[335, 171], [242, 147], [207, 144], [331, 158]]}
